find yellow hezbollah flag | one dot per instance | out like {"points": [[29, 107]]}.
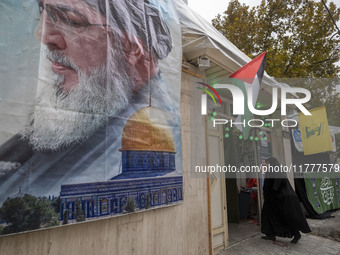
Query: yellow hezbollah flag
{"points": [[315, 133]]}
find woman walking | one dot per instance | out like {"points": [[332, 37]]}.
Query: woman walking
{"points": [[281, 214]]}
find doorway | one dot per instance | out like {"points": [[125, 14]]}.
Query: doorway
{"points": [[241, 188], [235, 198]]}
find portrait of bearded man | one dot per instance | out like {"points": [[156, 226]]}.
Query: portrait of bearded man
{"points": [[98, 65]]}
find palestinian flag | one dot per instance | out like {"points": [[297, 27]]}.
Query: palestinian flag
{"points": [[249, 75]]}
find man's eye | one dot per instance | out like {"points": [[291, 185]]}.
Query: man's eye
{"points": [[74, 19]]}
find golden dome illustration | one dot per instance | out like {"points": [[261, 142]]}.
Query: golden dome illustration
{"points": [[148, 130]]}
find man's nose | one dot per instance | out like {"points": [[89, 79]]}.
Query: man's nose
{"points": [[49, 34]]}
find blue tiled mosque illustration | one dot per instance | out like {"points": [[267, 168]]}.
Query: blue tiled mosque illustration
{"points": [[148, 179]]}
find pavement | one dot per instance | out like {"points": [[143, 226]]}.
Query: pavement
{"points": [[308, 244], [328, 228], [324, 239]]}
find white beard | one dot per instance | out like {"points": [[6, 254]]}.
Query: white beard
{"points": [[61, 119]]}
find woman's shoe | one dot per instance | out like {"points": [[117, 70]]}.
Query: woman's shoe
{"points": [[272, 238], [296, 238]]}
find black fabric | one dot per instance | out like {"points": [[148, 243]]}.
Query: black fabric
{"points": [[304, 160], [300, 189], [281, 214]]}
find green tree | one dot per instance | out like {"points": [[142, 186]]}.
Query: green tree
{"points": [[301, 42], [130, 205], [79, 212], [237, 24], [27, 213], [56, 204], [65, 217], [299, 36]]}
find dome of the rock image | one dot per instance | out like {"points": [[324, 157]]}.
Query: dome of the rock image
{"points": [[148, 130], [147, 176], [148, 148]]}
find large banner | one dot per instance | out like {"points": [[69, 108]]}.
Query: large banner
{"points": [[296, 133], [315, 133], [89, 114], [323, 191]]}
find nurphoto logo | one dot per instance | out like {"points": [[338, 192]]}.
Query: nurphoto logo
{"points": [[245, 94]]}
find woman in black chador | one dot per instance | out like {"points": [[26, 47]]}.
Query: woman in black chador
{"points": [[281, 214]]}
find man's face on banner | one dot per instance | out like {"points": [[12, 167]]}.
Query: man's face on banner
{"points": [[89, 76], [78, 33]]}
